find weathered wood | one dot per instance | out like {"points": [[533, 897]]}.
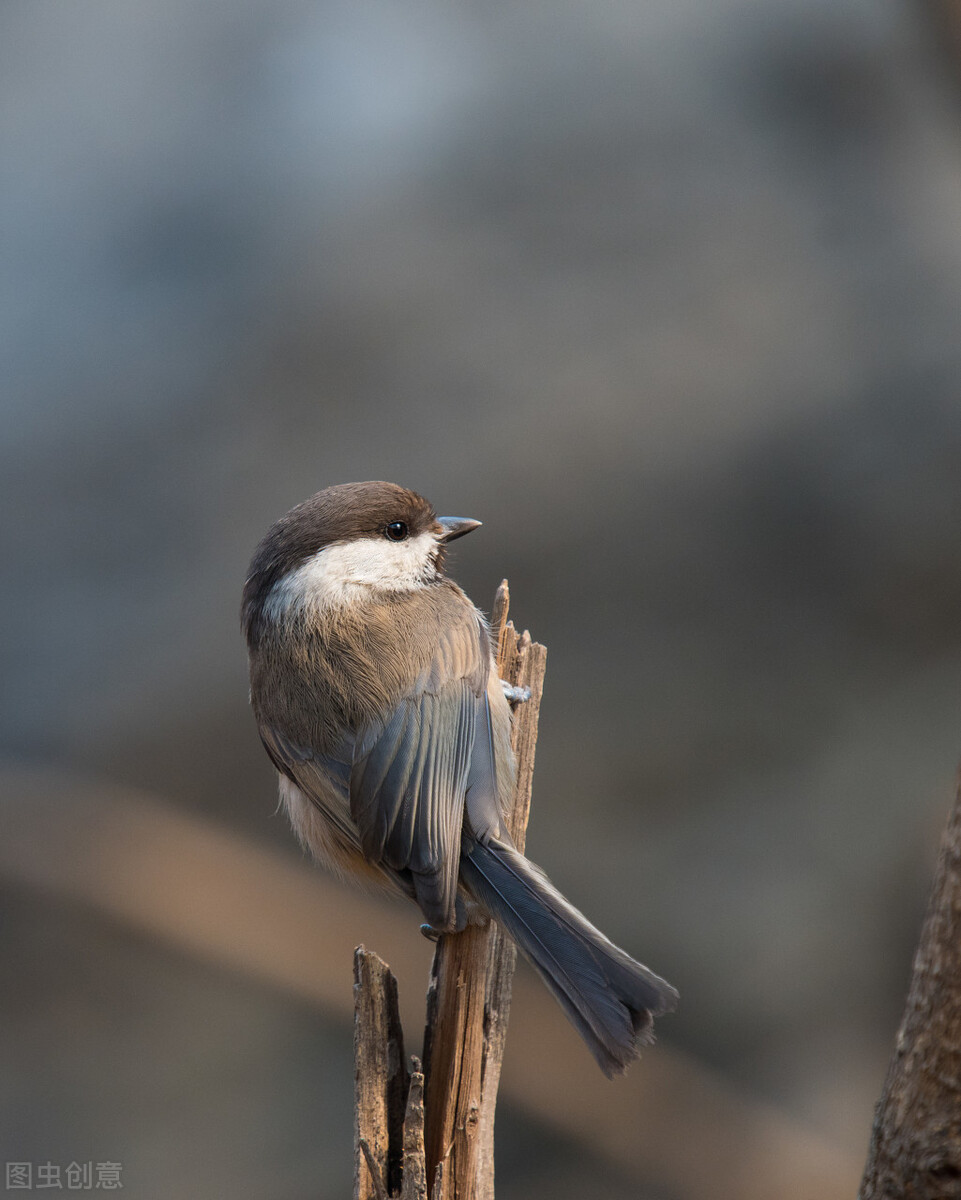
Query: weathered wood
{"points": [[453, 1058], [521, 662], [380, 1079], [414, 1186], [374, 1174], [469, 994], [915, 1150]]}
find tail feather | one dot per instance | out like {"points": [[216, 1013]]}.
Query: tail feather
{"points": [[609, 998]]}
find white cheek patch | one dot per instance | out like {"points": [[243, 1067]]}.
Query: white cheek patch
{"points": [[340, 573]]}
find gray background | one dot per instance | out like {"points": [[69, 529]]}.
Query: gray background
{"points": [[668, 296]]}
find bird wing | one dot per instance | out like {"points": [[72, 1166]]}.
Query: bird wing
{"points": [[411, 770], [323, 778], [395, 788]]}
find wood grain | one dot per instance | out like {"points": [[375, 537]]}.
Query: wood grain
{"points": [[915, 1149], [380, 1079], [414, 1185]]}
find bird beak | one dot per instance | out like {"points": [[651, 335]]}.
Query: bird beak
{"points": [[455, 527]]}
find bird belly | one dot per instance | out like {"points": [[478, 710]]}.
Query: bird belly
{"points": [[320, 827]]}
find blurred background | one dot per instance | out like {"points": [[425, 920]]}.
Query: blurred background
{"points": [[668, 296]]}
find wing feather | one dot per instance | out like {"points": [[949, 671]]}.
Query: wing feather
{"points": [[396, 786], [407, 789]]}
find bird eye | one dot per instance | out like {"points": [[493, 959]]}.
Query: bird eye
{"points": [[396, 531]]}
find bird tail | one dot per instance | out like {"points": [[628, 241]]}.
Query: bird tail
{"points": [[609, 998]]}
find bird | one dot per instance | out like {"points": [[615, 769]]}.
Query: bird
{"points": [[377, 698]]}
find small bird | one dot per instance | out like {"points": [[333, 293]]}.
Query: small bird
{"points": [[378, 700]]}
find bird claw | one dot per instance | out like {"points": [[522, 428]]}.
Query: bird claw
{"points": [[517, 695], [429, 932]]}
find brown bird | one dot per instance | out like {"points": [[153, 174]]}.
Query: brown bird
{"points": [[378, 700]]}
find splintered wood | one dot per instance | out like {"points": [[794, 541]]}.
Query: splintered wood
{"points": [[381, 1081], [448, 1137], [915, 1149]]}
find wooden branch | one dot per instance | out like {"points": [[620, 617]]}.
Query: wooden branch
{"points": [[415, 1168], [470, 988], [380, 1080], [915, 1147], [522, 663]]}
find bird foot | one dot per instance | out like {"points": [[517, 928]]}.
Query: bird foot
{"points": [[517, 695]]}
